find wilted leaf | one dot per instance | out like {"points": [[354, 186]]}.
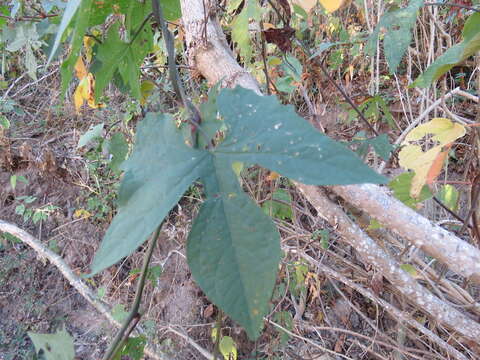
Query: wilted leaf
{"points": [[85, 89], [280, 37], [428, 164], [307, 5], [331, 5]]}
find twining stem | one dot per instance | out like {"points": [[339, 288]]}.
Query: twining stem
{"points": [[134, 315]]}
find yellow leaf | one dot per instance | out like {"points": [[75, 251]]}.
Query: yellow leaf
{"points": [[331, 5], [85, 92], [80, 69], [428, 164], [81, 213], [88, 43], [307, 5], [146, 89]]}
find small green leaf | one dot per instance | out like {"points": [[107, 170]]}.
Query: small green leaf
{"points": [[133, 349], [93, 133], [448, 195], [401, 186], [58, 346], [456, 54], [280, 205], [4, 122], [101, 292], [397, 25], [228, 348], [119, 313], [410, 269], [118, 149], [285, 319]]}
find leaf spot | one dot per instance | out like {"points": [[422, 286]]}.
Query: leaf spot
{"points": [[278, 126]]}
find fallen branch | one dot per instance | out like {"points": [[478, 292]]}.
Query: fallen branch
{"points": [[435, 241], [392, 310], [373, 254], [69, 275]]}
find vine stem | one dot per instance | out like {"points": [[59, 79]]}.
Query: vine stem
{"points": [[195, 117], [134, 315]]}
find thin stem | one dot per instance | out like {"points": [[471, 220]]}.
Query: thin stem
{"points": [[134, 315], [453, 5]]}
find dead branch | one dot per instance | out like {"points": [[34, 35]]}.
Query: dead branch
{"points": [[70, 276]]}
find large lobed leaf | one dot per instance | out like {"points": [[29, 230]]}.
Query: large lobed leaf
{"points": [[233, 249], [157, 174], [264, 132]]}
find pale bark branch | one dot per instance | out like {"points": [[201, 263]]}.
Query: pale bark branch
{"points": [[70, 276]]}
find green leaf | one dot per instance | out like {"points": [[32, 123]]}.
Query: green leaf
{"points": [[68, 14], [118, 149], [228, 348], [285, 319], [380, 143], [233, 248], [455, 55], [281, 210], [4, 122], [115, 54], [410, 269], [159, 171], [448, 195], [240, 28], [401, 186], [93, 133], [119, 313], [263, 132], [171, 9], [133, 348], [58, 346], [397, 25]]}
